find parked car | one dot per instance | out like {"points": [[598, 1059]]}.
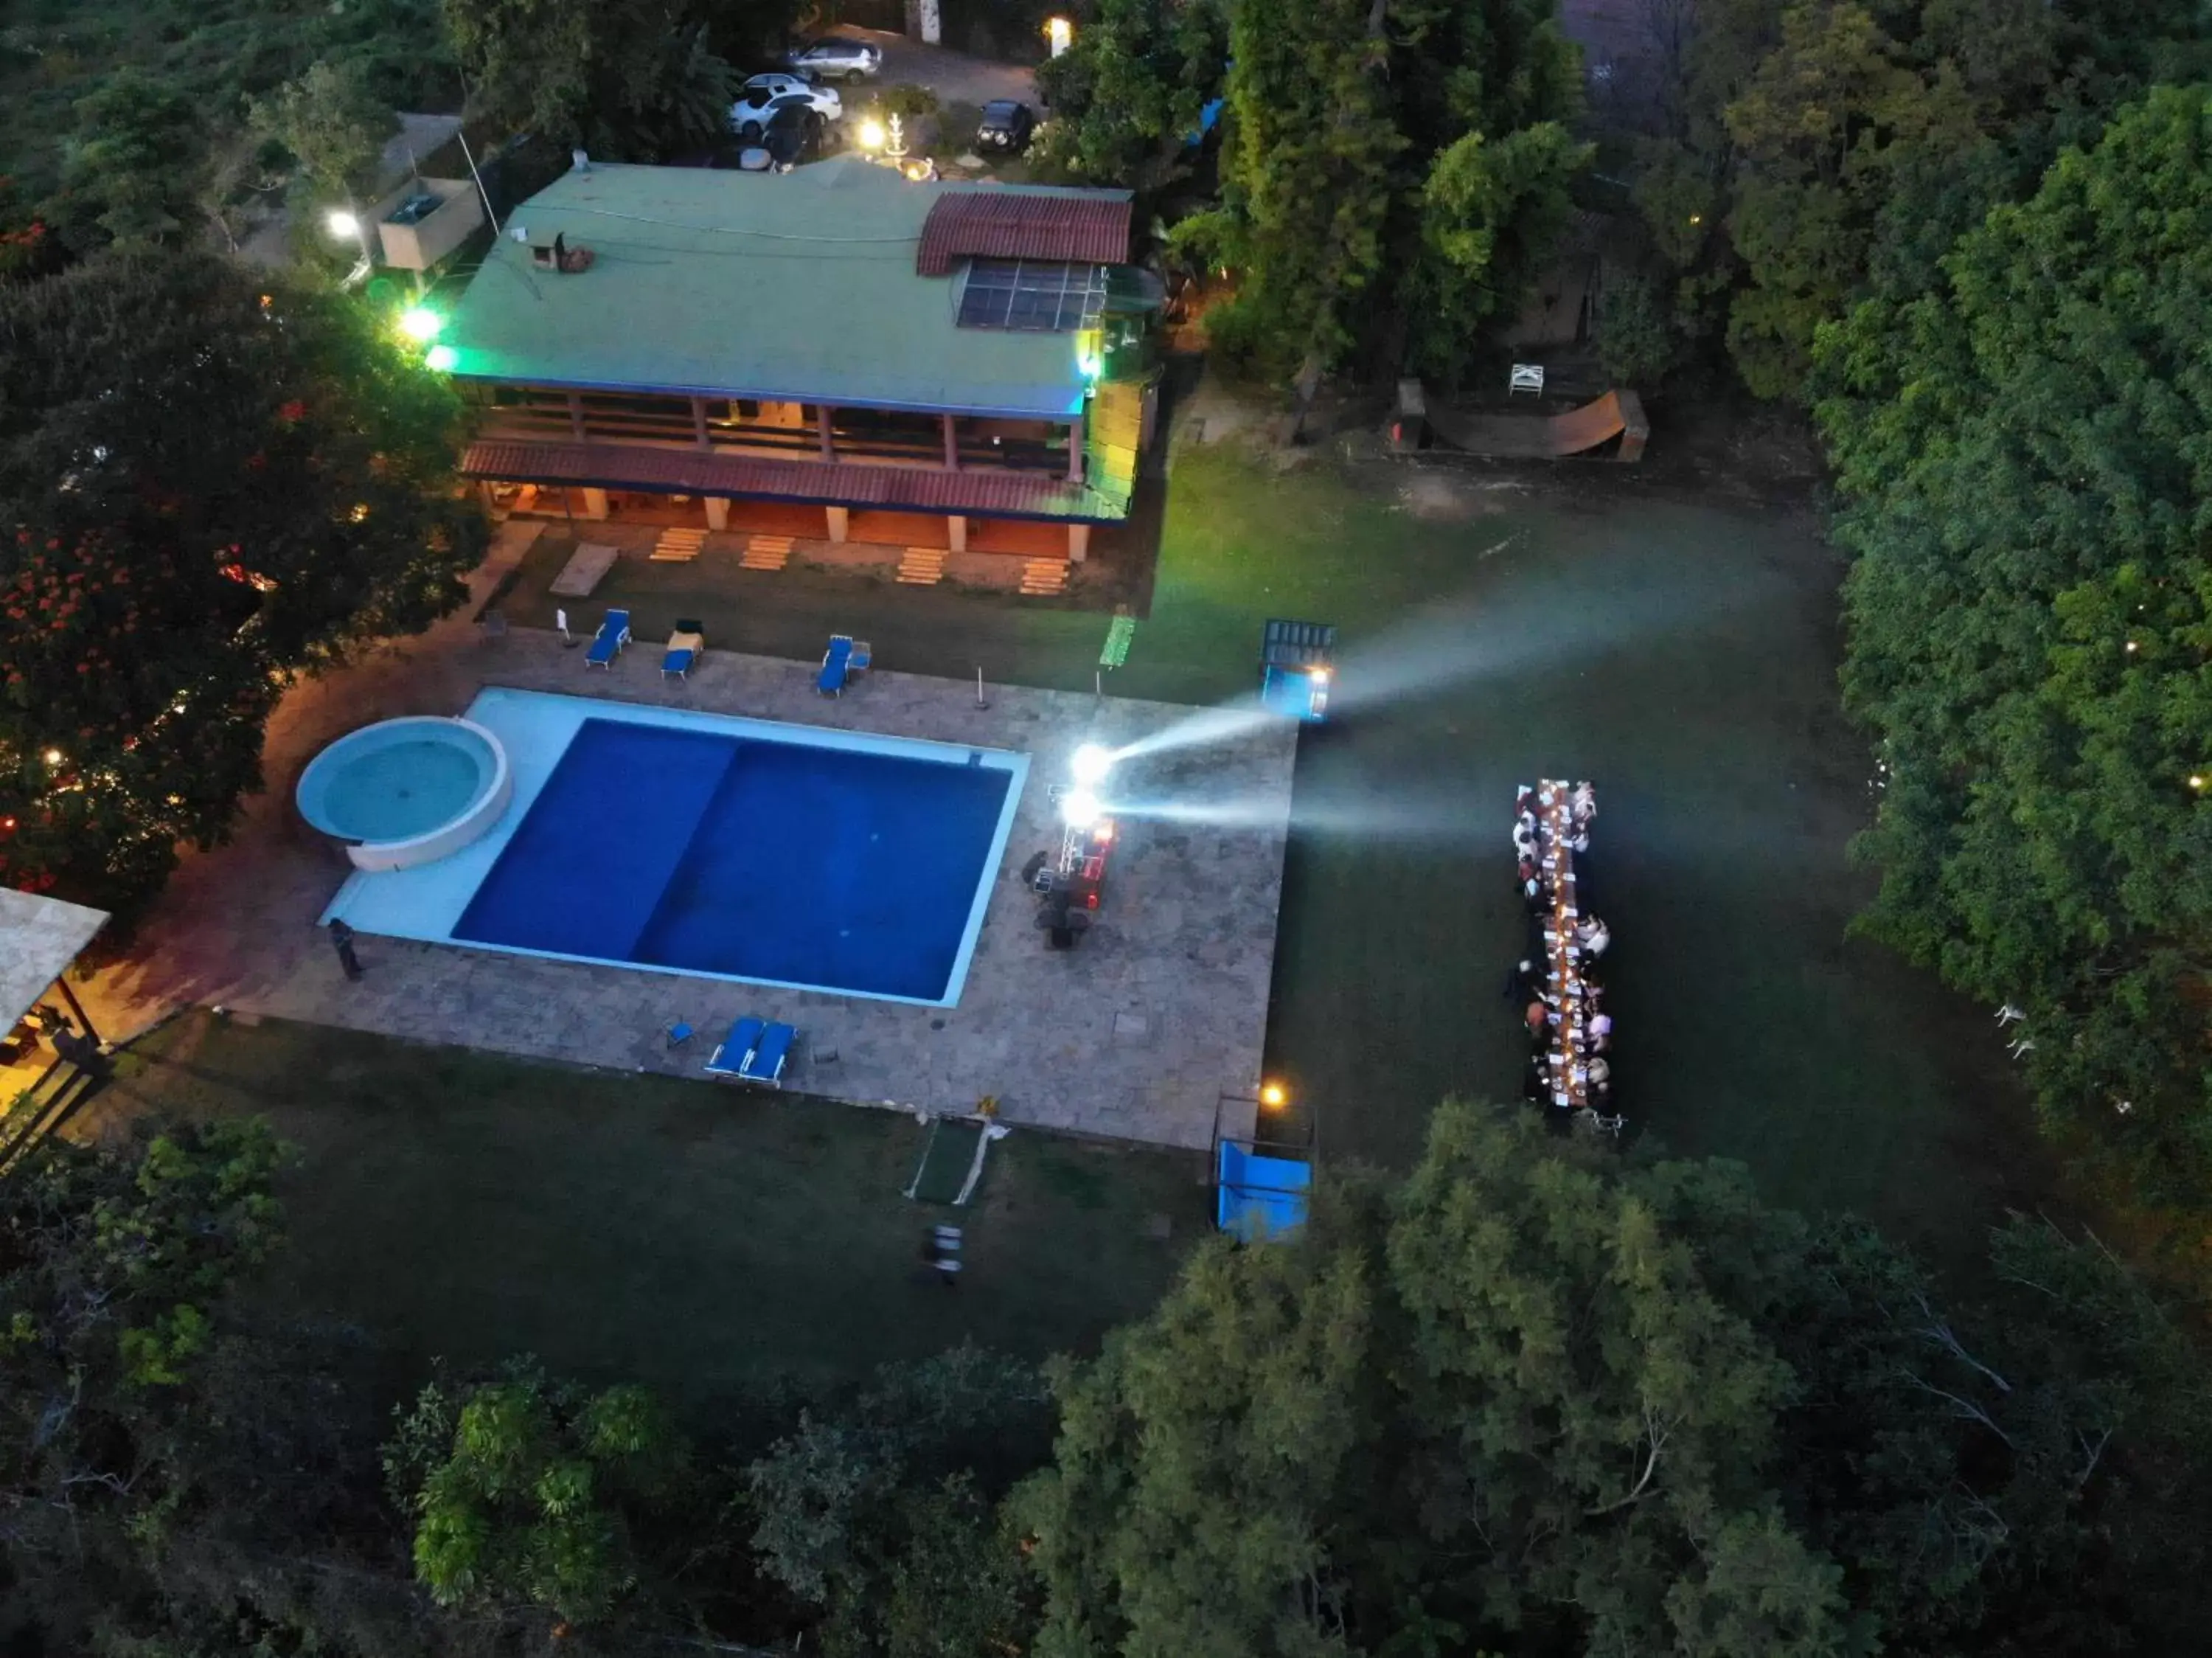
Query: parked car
{"points": [[836, 60], [1006, 127], [763, 89], [780, 81], [754, 113]]}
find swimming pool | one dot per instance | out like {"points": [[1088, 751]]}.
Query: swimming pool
{"points": [[701, 844]]}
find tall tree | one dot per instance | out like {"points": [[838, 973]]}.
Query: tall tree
{"points": [[528, 1491], [1539, 1400], [1127, 95], [1377, 171], [637, 78], [2031, 614], [205, 486], [114, 1267]]}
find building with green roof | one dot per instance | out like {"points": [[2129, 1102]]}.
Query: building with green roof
{"points": [[838, 336]]}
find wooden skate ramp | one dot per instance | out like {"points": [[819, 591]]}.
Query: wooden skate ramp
{"points": [[1546, 438]]}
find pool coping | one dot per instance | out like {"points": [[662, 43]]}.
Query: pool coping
{"points": [[487, 848]]}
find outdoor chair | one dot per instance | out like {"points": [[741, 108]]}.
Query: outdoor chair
{"points": [[607, 642], [836, 665], [732, 1053], [765, 1063], [686, 645]]}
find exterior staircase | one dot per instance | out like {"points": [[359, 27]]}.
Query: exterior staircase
{"points": [[1043, 577], [922, 567], [678, 546], [766, 553]]}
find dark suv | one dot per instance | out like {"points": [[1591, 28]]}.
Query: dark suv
{"points": [[1005, 127]]}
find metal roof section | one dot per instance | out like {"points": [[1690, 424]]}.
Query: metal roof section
{"points": [[984, 491], [1087, 226], [797, 287], [38, 939]]}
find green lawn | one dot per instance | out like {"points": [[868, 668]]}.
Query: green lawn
{"points": [[1679, 652], [705, 1239]]}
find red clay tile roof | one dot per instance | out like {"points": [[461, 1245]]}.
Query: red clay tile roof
{"points": [[838, 484], [1008, 224]]}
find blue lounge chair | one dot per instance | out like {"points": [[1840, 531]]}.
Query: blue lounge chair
{"points": [[1256, 1197], [732, 1053], [836, 664], [607, 642], [765, 1063], [686, 647]]}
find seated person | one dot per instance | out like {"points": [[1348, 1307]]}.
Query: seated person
{"points": [[1593, 935]]}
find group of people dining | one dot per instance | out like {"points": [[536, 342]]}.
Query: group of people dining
{"points": [[1569, 1032]]}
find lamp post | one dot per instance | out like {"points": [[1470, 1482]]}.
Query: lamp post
{"points": [[1060, 33]]}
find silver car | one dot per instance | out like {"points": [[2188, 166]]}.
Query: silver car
{"points": [[833, 58]]}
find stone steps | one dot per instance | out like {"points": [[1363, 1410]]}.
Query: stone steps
{"points": [[1043, 577], [678, 546], [922, 567], [766, 553]]}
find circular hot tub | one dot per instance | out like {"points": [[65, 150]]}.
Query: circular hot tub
{"points": [[408, 791]]}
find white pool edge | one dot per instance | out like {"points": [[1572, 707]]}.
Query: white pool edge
{"points": [[519, 799]]}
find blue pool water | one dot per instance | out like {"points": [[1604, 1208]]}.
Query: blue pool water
{"points": [[702, 851]]}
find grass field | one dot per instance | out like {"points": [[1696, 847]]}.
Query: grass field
{"points": [[702, 1238], [1680, 652]]}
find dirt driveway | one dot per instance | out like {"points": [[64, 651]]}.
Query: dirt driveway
{"points": [[954, 76]]}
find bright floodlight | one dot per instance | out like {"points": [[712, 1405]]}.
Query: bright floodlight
{"points": [[872, 136], [1274, 1095], [1090, 763], [341, 224], [1079, 809], [421, 322], [441, 359]]}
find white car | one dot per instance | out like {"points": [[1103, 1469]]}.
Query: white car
{"points": [[758, 114], [822, 100]]}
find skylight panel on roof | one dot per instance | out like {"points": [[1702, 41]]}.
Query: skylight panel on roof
{"points": [[1032, 296]]}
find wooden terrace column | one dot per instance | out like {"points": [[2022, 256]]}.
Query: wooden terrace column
{"points": [[699, 424], [821, 431], [1075, 448], [577, 417], [951, 445]]}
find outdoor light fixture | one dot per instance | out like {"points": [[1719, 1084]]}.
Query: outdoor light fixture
{"points": [[421, 322], [442, 358], [1061, 33], [1090, 763], [872, 136], [55, 757], [341, 224], [1274, 1095], [1079, 810]]}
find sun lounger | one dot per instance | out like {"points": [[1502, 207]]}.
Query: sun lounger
{"points": [[765, 1063], [686, 647], [607, 642], [836, 664], [732, 1053]]}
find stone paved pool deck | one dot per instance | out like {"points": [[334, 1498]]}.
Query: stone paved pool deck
{"points": [[1134, 1034]]}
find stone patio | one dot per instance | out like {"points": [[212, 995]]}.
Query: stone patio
{"points": [[1133, 1034]]}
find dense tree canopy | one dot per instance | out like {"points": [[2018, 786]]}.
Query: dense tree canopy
{"points": [[634, 79], [205, 486], [1792, 159], [1536, 1403], [2023, 452]]}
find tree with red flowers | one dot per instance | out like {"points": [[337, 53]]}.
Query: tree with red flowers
{"points": [[206, 487]]}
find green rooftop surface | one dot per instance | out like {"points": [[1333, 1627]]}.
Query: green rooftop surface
{"points": [[793, 287]]}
